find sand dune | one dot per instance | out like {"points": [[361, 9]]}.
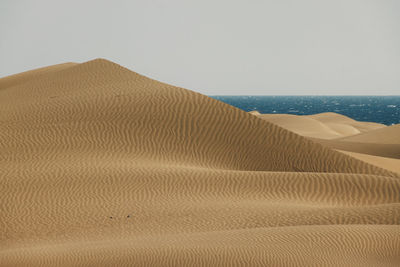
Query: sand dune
{"points": [[102, 166], [323, 126], [382, 150], [23, 77], [336, 121], [386, 135], [392, 164], [374, 143]]}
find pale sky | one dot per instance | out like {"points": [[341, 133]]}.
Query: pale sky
{"points": [[216, 46]]}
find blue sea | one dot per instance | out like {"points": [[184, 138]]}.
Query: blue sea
{"points": [[381, 109]]}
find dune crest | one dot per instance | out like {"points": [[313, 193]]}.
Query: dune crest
{"points": [[103, 166], [373, 143], [26, 76], [386, 135], [327, 125]]}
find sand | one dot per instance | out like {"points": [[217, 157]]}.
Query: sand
{"points": [[101, 166], [392, 164], [370, 142], [323, 126], [386, 135]]}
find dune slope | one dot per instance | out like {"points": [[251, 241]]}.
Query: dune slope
{"points": [[377, 142], [392, 164], [27, 76], [386, 135], [104, 167], [337, 121], [322, 126]]}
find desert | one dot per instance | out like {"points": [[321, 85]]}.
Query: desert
{"points": [[101, 166]]}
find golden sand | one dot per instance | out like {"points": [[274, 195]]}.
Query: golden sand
{"points": [[101, 166]]}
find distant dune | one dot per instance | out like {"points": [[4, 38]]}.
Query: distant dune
{"points": [[101, 166], [370, 142], [324, 125], [386, 135]]}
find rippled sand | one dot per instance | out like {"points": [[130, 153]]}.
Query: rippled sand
{"points": [[101, 166]]}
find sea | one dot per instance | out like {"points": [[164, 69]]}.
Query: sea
{"points": [[381, 109]]}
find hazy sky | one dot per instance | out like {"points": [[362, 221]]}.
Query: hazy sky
{"points": [[214, 46]]}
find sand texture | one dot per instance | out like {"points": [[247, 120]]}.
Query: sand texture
{"points": [[324, 125], [101, 166], [370, 142]]}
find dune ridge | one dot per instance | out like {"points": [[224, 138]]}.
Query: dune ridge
{"points": [[326, 125], [103, 166], [392, 164], [27, 76], [386, 135], [374, 143]]}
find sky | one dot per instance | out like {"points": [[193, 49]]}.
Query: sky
{"points": [[216, 47]]}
